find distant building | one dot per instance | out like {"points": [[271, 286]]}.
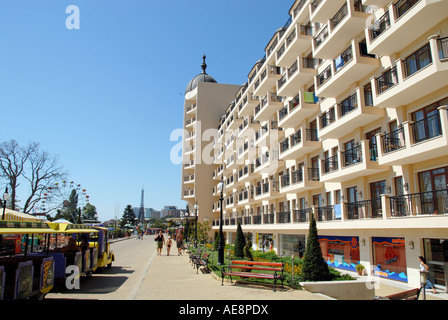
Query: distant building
{"points": [[171, 211]]}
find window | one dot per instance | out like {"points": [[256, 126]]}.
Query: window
{"points": [[418, 60], [426, 123]]}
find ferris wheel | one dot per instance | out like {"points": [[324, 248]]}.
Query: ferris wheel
{"points": [[57, 196]]}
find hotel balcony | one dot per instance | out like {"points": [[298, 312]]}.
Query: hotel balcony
{"points": [[299, 144], [268, 77], [189, 165], [302, 71], [191, 109], [403, 22], [244, 173], [249, 102], [268, 134], [189, 179], [350, 113], [300, 180], [339, 30], [360, 161], [244, 197], [349, 67], [301, 107], [267, 191], [269, 105], [417, 141], [234, 121], [297, 42], [425, 70], [268, 162], [248, 123], [300, 11], [188, 194], [322, 10], [190, 122]]}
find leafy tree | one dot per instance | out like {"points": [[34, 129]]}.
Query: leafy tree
{"points": [[72, 206], [314, 266], [89, 212], [203, 230], [240, 242], [128, 216], [247, 253]]}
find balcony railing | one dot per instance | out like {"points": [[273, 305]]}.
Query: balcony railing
{"points": [[401, 7], [443, 48], [426, 128], [387, 80], [430, 202], [352, 156], [325, 213], [393, 140], [313, 174], [268, 218], [320, 37], [324, 76], [379, 26], [366, 209], [302, 215], [339, 16], [284, 217], [417, 60], [330, 164], [348, 105], [297, 176], [343, 59]]}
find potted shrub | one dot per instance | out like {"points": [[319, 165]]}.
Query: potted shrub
{"points": [[360, 269]]}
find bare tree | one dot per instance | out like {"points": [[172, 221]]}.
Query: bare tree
{"points": [[43, 172], [12, 164], [37, 167]]}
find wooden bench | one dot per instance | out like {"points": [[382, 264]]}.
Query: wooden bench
{"points": [[193, 256], [412, 294], [275, 269], [202, 261]]}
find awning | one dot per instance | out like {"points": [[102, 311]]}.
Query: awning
{"points": [[72, 228], [24, 227], [12, 215]]}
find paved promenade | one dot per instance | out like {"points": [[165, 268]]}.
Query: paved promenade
{"points": [[173, 278]]}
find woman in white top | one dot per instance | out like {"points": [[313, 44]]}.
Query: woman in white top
{"points": [[424, 268]]}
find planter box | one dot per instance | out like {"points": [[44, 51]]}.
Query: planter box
{"points": [[343, 290]]}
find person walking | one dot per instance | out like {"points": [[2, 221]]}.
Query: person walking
{"points": [[179, 242], [425, 268], [160, 242], [168, 245]]}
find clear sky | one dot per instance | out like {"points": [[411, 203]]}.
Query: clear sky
{"points": [[106, 97]]}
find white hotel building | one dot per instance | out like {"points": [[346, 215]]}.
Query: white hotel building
{"points": [[345, 118]]}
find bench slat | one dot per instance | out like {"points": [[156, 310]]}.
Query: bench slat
{"points": [[256, 268], [252, 275], [273, 264]]}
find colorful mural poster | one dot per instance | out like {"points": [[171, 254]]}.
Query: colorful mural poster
{"points": [[389, 258], [340, 252]]}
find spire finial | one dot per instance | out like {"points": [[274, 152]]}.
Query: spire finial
{"points": [[204, 65]]}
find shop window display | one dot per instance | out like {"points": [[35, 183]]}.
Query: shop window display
{"points": [[340, 252], [389, 258]]}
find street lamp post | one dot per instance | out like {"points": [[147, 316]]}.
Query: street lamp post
{"points": [[221, 236], [5, 199], [196, 225]]}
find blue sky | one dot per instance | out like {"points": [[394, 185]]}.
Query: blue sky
{"points": [[105, 98]]}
